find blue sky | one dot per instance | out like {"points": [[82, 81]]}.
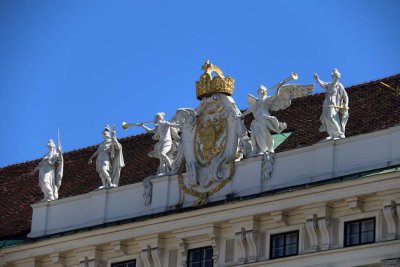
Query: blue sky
{"points": [[78, 65]]}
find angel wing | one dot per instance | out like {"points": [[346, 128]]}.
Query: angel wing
{"points": [[251, 99], [184, 115], [282, 98]]}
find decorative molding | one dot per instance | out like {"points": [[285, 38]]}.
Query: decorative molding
{"points": [[214, 244], [58, 259], [251, 237], [318, 216], [356, 204], [145, 257], [240, 250], [280, 216], [311, 224], [389, 213], [182, 250], [398, 209], [324, 224], [119, 247], [156, 254], [89, 257]]}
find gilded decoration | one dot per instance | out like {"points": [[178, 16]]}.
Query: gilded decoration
{"points": [[208, 85], [211, 131]]}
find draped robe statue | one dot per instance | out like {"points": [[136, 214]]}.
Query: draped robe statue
{"points": [[109, 159], [50, 172], [335, 109]]}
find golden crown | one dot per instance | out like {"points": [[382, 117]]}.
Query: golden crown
{"points": [[207, 85]]}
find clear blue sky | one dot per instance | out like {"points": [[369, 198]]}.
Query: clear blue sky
{"points": [[78, 65]]}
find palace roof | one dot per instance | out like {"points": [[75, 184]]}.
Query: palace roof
{"points": [[373, 107]]}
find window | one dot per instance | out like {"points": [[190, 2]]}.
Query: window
{"points": [[200, 257], [359, 232], [130, 263], [284, 244]]}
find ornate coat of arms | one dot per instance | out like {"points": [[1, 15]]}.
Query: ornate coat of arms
{"points": [[209, 136], [213, 136]]}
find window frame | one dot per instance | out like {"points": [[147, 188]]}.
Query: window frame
{"points": [[339, 242], [201, 249], [359, 231], [284, 244], [113, 264], [279, 230]]}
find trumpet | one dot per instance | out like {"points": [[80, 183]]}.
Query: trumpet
{"points": [[293, 76], [127, 125]]}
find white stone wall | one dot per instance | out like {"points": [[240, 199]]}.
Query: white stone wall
{"points": [[247, 225]]}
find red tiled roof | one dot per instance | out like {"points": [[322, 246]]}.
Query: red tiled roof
{"points": [[372, 106]]}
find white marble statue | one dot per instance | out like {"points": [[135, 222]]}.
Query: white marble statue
{"points": [[166, 133], [263, 123], [335, 109], [109, 159], [50, 176]]}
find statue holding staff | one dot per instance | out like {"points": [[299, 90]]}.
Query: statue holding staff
{"points": [[335, 109], [109, 159], [51, 171]]}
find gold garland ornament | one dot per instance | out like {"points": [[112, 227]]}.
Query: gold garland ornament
{"points": [[203, 196]]}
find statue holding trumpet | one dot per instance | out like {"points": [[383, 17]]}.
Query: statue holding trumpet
{"points": [[335, 109], [166, 133], [263, 123]]}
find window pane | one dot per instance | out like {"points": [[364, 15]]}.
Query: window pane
{"points": [[278, 241], [131, 263], [291, 250], [208, 263], [367, 237], [367, 226], [291, 238], [277, 252], [195, 256], [208, 253], [353, 228], [201, 257]]}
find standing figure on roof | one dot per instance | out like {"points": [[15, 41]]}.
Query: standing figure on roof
{"points": [[166, 133], [109, 159], [335, 109], [50, 176], [263, 123]]}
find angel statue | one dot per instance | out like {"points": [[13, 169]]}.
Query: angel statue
{"points": [[264, 123], [335, 109], [50, 176], [166, 133], [109, 159]]}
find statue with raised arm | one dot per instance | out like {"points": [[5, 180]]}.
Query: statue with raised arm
{"points": [[109, 159], [50, 172], [166, 133], [335, 109], [263, 123]]}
